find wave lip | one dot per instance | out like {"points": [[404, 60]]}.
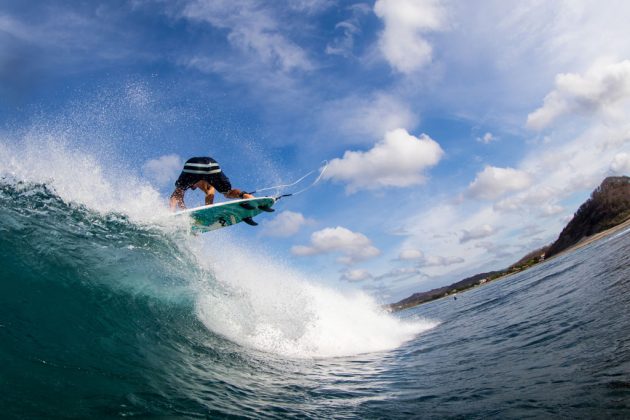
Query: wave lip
{"points": [[80, 177]]}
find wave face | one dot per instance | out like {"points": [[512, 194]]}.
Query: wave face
{"points": [[106, 312]]}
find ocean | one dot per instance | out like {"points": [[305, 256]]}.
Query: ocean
{"points": [[104, 314]]}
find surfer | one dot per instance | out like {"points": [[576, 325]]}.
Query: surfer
{"points": [[206, 174]]}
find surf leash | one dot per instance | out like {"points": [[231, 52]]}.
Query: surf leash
{"points": [[321, 171]]}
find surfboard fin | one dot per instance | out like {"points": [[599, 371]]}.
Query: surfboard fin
{"points": [[266, 208], [247, 206], [250, 221]]}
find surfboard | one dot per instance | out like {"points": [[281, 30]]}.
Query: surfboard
{"points": [[220, 215]]}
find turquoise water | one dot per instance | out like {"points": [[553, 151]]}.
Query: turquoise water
{"points": [[103, 315]]}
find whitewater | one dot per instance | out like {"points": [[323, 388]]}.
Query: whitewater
{"points": [[109, 307]]}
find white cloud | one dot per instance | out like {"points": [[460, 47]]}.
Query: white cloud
{"points": [[397, 161], [568, 165], [501, 250], [423, 260], [353, 246], [65, 26], [477, 233], [17, 29], [252, 29], [403, 42], [439, 226], [163, 170], [620, 164], [356, 275], [51, 39], [494, 182], [497, 46], [535, 196], [550, 209], [401, 273], [368, 118], [410, 254], [600, 87], [439, 261], [344, 44], [310, 6], [487, 138], [287, 223]]}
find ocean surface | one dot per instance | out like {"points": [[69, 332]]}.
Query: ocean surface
{"points": [[104, 314]]}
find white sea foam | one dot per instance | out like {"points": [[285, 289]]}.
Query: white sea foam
{"points": [[271, 307], [87, 178]]}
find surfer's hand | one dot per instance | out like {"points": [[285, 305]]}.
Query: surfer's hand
{"points": [[236, 193]]}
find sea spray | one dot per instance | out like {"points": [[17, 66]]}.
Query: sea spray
{"points": [[274, 308], [87, 178]]}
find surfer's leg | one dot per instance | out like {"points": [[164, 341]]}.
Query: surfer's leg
{"points": [[208, 189], [177, 199], [210, 196]]}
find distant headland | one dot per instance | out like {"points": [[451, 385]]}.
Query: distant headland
{"points": [[605, 212]]}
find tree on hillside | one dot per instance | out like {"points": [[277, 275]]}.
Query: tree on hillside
{"points": [[608, 206]]}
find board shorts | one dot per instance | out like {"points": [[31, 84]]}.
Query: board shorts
{"points": [[203, 168]]}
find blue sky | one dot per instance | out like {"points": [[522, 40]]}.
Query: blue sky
{"points": [[460, 135]]}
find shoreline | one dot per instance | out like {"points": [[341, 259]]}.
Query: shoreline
{"points": [[582, 243]]}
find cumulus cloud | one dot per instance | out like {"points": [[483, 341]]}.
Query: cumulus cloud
{"points": [[353, 246], [620, 164], [163, 170], [252, 29], [356, 275], [403, 41], [477, 233], [397, 161], [494, 182], [600, 87], [287, 223]]}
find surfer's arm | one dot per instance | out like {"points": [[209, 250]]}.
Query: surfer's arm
{"points": [[177, 199]]}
